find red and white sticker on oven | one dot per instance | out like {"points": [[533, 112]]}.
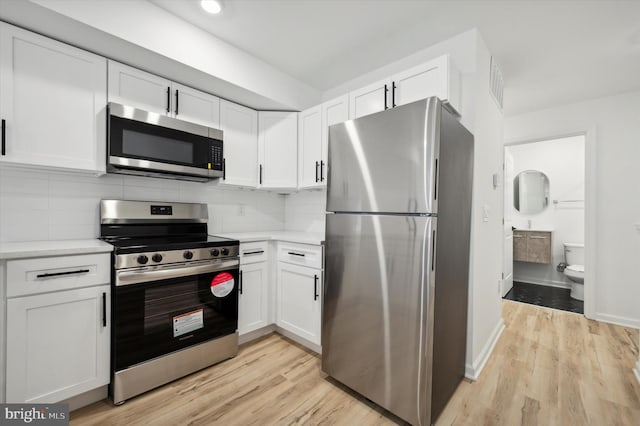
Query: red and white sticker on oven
{"points": [[222, 284]]}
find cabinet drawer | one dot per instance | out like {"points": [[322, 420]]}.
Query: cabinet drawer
{"points": [[254, 252], [46, 274], [300, 254]]}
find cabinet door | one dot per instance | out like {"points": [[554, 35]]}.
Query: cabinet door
{"points": [[310, 147], [240, 127], [278, 147], [369, 99], [433, 78], [539, 247], [299, 291], [139, 89], [253, 302], [195, 106], [519, 246], [57, 344], [53, 102], [333, 112]]}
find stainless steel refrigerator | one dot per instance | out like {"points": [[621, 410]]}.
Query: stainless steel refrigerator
{"points": [[394, 315]]}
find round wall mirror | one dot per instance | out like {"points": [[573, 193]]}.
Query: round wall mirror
{"points": [[531, 192]]}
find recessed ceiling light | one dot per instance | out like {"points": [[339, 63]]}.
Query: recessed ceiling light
{"points": [[211, 6]]}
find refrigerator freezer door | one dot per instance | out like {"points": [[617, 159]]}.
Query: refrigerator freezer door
{"points": [[378, 309], [386, 162]]}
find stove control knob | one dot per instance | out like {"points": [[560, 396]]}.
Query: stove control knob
{"points": [[142, 259], [225, 251], [215, 252], [157, 257], [188, 254]]}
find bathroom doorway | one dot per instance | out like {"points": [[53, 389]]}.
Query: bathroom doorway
{"points": [[544, 223]]}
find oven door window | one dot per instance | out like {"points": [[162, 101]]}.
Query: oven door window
{"points": [[143, 141], [159, 317]]}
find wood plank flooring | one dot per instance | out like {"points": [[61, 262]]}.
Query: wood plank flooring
{"points": [[549, 368]]}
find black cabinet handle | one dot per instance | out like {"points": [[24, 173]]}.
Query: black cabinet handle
{"points": [[293, 253], [240, 283], [260, 174], [315, 287], [176, 101], [4, 138], [317, 164], [321, 171], [104, 309], [57, 274], [168, 99], [224, 168], [249, 253], [386, 89], [393, 94]]}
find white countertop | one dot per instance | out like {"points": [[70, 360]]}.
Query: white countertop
{"points": [[293, 237], [21, 250]]}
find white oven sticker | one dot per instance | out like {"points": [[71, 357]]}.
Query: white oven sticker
{"points": [[186, 323], [222, 284]]}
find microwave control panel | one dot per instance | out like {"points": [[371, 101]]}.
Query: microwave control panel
{"points": [[216, 155]]}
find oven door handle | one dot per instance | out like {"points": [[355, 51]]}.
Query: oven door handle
{"points": [[147, 275]]}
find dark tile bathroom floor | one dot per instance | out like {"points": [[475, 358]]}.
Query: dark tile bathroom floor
{"points": [[542, 295]]}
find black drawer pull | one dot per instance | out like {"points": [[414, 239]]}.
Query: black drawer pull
{"points": [[315, 287], [58, 274], [292, 253], [249, 253], [104, 309], [240, 283]]}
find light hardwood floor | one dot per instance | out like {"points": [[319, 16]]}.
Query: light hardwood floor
{"points": [[549, 368]]}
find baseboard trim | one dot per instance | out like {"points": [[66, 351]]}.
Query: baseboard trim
{"points": [[256, 334], [617, 320], [87, 398], [636, 371], [304, 342], [472, 372]]}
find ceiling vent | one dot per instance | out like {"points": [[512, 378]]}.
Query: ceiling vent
{"points": [[496, 83]]}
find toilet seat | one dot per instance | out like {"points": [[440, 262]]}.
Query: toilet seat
{"points": [[576, 268]]}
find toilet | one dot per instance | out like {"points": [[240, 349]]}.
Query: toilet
{"points": [[574, 258]]}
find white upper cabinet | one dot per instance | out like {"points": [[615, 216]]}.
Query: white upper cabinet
{"points": [[434, 78], [133, 87], [196, 106], [240, 127], [437, 77], [310, 147], [52, 103], [278, 149], [313, 140], [370, 99]]}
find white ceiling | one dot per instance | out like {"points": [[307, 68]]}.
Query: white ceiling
{"points": [[550, 52]]}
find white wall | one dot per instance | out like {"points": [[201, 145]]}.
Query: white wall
{"points": [[305, 211], [38, 205], [563, 162], [612, 125]]}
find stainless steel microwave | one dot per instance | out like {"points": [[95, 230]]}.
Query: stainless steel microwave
{"points": [[149, 144]]}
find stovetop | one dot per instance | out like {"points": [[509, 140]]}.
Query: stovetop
{"points": [[125, 245]]}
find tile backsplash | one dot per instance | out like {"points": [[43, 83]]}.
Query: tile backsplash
{"points": [[41, 205], [305, 211]]}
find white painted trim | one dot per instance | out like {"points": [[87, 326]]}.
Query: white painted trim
{"points": [[256, 334], [87, 398], [617, 320], [636, 371], [472, 372], [531, 280], [304, 342]]}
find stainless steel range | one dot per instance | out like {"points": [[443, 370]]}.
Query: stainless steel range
{"points": [[175, 293]]}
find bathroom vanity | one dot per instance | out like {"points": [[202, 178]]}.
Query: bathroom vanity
{"points": [[532, 246]]}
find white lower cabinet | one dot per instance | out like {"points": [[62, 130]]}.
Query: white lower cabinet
{"points": [[299, 290], [57, 344], [253, 298]]}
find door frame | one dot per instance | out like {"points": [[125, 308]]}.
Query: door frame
{"points": [[590, 212]]}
